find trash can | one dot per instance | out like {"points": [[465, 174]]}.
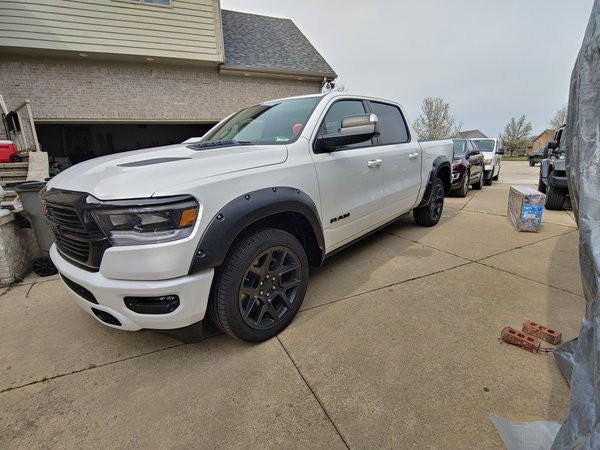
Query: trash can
{"points": [[29, 192]]}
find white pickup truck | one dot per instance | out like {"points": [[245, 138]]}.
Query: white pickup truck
{"points": [[228, 224]]}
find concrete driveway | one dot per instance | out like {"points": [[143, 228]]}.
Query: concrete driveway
{"points": [[396, 346]]}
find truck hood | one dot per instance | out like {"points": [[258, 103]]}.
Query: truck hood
{"points": [[141, 173]]}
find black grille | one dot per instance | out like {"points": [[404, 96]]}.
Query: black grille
{"points": [[80, 290], [71, 236], [78, 237]]}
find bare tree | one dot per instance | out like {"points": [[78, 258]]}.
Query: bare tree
{"points": [[516, 134], [559, 119], [435, 121]]}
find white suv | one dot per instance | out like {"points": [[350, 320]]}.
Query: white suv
{"points": [[492, 158]]}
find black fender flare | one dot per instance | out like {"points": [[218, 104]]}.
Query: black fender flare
{"points": [[438, 163], [246, 210]]}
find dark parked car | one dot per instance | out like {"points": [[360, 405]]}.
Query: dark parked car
{"points": [[553, 172], [467, 167]]}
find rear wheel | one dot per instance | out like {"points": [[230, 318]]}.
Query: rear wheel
{"points": [[430, 214], [15, 158], [464, 187], [477, 186], [260, 286]]}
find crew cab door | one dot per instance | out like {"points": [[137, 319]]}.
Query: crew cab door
{"points": [[401, 159], [350, 179]]}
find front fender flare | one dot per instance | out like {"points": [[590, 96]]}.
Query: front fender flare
{"points": [[245, 210]]}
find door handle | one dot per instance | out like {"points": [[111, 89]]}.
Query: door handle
{"points": [[413, 155], [374, 163]]}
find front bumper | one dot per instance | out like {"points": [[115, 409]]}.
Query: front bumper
{"points": [[193, 292]]}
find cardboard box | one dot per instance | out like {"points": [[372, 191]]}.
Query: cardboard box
{"points": [[525, 208]]}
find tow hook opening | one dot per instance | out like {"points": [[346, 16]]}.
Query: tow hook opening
{"points": [[163, 304], [106, 317]]}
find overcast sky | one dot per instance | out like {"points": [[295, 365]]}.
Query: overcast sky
{"points": [[490, 59]]}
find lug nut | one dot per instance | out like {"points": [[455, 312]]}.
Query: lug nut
{"points": [[273, 278], [262, 292], [273, 287], [261, 283]]}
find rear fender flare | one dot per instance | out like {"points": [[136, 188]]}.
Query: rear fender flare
{"points": [[439, 163]]}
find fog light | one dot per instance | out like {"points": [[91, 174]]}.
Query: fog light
{"points": [[163, 304]]}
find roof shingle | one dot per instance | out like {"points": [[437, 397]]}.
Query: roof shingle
{"points": [[269, 43]]}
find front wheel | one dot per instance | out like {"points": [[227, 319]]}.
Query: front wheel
{"points": [[260, 286], [430, 214], [495, 178]]}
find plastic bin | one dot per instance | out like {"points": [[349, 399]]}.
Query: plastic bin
{"points": [[29, 191]]}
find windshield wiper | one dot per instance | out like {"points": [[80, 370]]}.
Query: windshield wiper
{"points": [[213, 144]]}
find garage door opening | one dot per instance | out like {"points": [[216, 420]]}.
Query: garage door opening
{"points": [[69, 144]]}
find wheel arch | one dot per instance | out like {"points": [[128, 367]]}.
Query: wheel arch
{"points": [[285, 208], [443, 170]]}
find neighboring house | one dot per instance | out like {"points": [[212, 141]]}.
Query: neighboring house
{"points": [[541, 140], [470, 134], [106, 76]]}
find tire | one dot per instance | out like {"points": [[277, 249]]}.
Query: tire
{"points": [[555, 198], [241, 304], [430, 214], [531, 163], [541, 185], [15, 158], [488, 181], [496, 177], [477, 186], [464, 187]]}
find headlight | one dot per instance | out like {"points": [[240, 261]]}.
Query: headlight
{"points": [[487, 161], [148, 222]]}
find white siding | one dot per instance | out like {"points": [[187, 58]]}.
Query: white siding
{"points": [[191, 29]]}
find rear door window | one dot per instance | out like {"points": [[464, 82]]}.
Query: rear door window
{"points": [[391, 125]]}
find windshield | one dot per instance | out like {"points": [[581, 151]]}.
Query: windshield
{"points": [[272, 122], [459, 147], [485, 145]]}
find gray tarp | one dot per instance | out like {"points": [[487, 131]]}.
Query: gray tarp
{"points": [[581, 358]]}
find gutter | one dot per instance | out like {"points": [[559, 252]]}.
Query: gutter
{"points": [[248, 71]]}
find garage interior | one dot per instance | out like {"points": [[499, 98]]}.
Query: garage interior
{"points": [[69, 144]]}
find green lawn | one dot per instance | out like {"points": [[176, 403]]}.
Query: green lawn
{"points": [[514, 158]]}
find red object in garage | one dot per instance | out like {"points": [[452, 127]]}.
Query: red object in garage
{"points": [[8, 152]]}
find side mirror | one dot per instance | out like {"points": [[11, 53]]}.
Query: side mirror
{"points": [[354, 129], [552, 145], [500, 151]]}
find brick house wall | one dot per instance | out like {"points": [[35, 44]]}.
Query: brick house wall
{"points": [[78, 89]]}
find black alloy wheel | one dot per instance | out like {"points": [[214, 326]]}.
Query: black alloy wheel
{"points": [[270, 288], [437, 201], [260, 286]]}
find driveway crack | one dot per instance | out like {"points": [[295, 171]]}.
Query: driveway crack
{"points": [[90, 367], [314, 394]]}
